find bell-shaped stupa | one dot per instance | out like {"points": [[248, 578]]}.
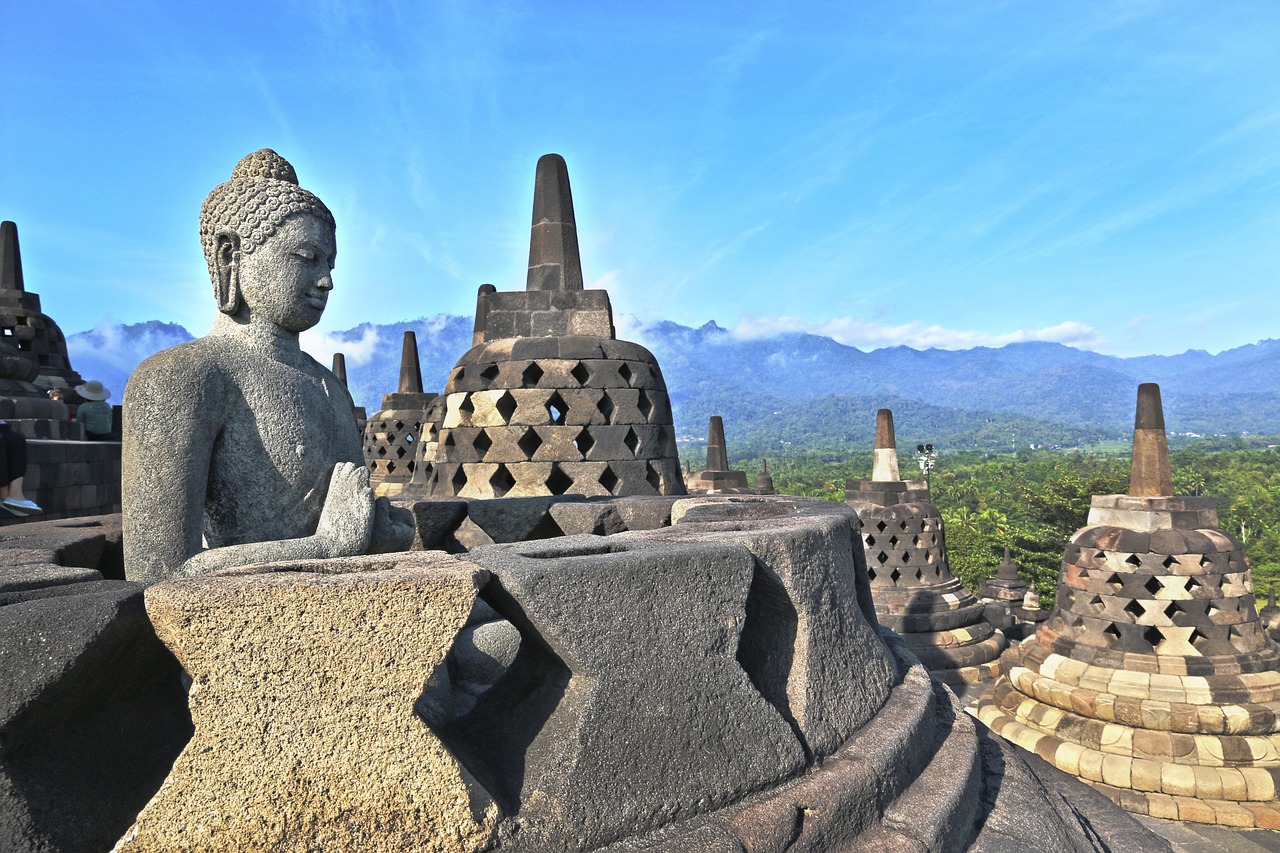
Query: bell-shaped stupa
{"points": [[717, 478], [392, 435], [1153, 679], [914, 591], [547, 401]]}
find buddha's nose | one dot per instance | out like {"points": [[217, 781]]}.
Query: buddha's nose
{"points": [[325, 282]]}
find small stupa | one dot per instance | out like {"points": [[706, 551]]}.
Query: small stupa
{"points": [[1153, 679], [764, 480], [914, 591], [392, 435], [548, 401], [717, 478], [1270, 615], [33, 354]]}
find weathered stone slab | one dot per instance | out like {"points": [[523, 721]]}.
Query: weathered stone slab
{"points": [[304, 678], [26, 576], [805, 644], [92, 714], [625, 708]]}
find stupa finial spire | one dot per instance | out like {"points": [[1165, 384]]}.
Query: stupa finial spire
{"points": [[885, 465], [10, 258], [717, 453], [554, 262], [1151, 475], [340, 367], [410, 372]]}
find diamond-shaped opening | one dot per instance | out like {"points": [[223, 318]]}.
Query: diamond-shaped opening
{"points": [[1111, 630], [391, 465], [399, 425], [459, 480], [482, 443], [580, 373], [871, 573], [501, 481], [382, 450], [408, 437], [609, 480], [1205, 560], [1154, 636], [871, 541], [459, 373], [401, 451], [645, 405], [466, 408], [1096, 604], [556, 409], [1196, 637], [625, 373], [1134, 609], [1153, 585], [919, 575], [893, 541], [1193, 584], [1115, 582], [632, 441], [531, 375], [1172, 610], [606, 408], [1133, 560], [584, 442], [880, 525], [882, 557], [915, 541], [894, 575], [506, 406], [652, 477], [490, 373], [928, 558], [1212, 611], [1170, 561], [902, 525], [558, 482], [449, 440], [664, 440], [529, 444]]}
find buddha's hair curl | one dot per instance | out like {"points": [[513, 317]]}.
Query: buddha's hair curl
{"points": [[262, 193]]}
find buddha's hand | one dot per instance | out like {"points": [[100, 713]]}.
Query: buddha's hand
{"points": [[346, 522], [393, 528]]}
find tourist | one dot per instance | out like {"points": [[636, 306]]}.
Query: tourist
{"points": [[95, 413], [13, 467]]}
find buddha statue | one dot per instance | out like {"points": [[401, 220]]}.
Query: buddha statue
{"points": [[238, 446]]}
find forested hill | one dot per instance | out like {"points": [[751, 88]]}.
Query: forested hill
{"points": [[816, 393]]}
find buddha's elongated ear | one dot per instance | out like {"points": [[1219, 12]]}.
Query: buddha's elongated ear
{"points": [[226, 271]]}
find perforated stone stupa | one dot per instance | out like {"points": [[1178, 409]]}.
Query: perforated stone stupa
{"points": [[548, 401], [392, 435], [24, 326], [1153, 679], [914, 591]]}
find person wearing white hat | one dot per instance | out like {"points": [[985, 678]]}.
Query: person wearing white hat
{"points": [[94, 414]]}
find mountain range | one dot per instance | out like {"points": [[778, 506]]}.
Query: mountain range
{"points": [[810, 391]]}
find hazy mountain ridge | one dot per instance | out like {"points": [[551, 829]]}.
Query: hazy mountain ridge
{"points": [[802, 388]]}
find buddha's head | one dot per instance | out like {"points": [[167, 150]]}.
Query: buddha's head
{"points": [[269, 244]]}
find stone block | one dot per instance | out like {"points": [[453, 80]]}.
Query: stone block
{"points": [[804, 644], [642, 636], [92, 714], [295, 748], [25, 576], [435, 521]]}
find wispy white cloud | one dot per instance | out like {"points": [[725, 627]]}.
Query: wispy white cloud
{"points": [[357, 351], [864, 335]]}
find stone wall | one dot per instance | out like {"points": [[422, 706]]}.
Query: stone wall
{"points": [[71, 478]]}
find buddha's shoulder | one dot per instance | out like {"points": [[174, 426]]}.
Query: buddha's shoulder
{"points": [[201, 362]]}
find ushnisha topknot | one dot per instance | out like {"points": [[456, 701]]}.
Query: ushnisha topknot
{"points": [[262, 193]]}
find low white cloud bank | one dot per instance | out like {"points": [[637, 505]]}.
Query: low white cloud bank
{"points": [[863, 335], [357, 351]]}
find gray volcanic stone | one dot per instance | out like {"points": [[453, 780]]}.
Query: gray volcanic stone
{"points": [[28, 576], [92, 715], [625, 708], [517, 519], [434, 521], [598, 517], [805, 645], [90, 542]]}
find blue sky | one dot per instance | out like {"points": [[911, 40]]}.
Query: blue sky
{"points": [[1104, 174]]}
